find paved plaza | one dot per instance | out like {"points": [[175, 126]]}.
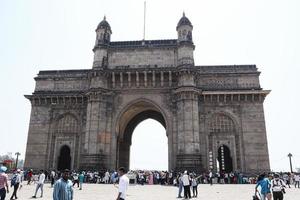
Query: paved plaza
{"points": [[155, 192]]}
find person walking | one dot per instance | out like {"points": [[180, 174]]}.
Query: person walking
{"points": [[265, 187], [278, 186], [40, 184], [123, 184], [186, 185], [81, 179], [75, 179], [16, 181], [63, 189], [3, 183], [29, 176]]}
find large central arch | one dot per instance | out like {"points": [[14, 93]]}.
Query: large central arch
{"points": [[130, 117]]}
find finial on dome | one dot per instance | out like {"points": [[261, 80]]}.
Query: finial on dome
{"points": [[183, 14], [104, 18]]}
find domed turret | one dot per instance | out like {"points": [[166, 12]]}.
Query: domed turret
{"points": [[104, 25], [184, 29], [103, 32], [185, 41]]}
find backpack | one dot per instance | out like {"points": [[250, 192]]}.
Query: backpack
{"points": [[13, 180]]}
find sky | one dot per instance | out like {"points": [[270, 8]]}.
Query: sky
{"points": [[59, 34]]}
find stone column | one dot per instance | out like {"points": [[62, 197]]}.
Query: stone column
{"points": [[188, 154], [96, 138], [36, 151]]}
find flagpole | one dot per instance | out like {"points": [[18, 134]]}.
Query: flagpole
{"points": [[144, 20]]}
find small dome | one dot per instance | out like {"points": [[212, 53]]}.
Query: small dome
{"points": [[103, 24], [184, 21]]}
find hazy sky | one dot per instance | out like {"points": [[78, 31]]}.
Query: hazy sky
{"points": [[42, 35]]}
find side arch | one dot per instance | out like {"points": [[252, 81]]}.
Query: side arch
{"points": [[230, 135], [65, 131]]}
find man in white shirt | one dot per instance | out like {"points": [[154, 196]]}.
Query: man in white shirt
{"points": [[40, 184], [186, 185], [106, 177], [123, 184]]}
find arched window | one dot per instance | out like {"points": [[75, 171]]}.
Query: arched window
{"points": [[221, 123], [67, 124]]}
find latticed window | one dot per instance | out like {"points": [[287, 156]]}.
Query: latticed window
{"points": [[67, 124], [221, 123]]}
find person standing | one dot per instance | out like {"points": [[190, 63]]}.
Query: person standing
{"points": [[52, 177], [265, 185], [63, 189], [106, 177], [180, 186], [210, 176], [123, 184], [186, 185], [3, 183], [297, 180], [278, 186], [40, 184], [195, 187], [81, 178]]}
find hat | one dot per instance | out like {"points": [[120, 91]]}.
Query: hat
{"points": [[3, 169], [18, 170], [185, 172]]}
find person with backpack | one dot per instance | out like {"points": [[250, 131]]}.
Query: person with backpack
{"points": [[277, 186], [15, 182]]}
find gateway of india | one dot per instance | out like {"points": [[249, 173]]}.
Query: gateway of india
{"points": [[84, 119]]}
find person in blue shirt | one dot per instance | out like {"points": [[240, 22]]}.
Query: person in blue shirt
{"points": [[265, 187], [63, 188]]}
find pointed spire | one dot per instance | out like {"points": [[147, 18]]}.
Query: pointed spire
{"points": [[183, 14], [104, 18]]}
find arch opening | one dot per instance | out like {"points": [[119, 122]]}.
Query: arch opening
{"points": [[149, 149], [224, 159], [128, 121], [64, 158]]}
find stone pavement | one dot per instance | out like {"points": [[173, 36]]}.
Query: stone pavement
{"points": [[154, 192]]}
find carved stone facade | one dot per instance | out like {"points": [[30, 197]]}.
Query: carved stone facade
{"points": [[84, 119]]}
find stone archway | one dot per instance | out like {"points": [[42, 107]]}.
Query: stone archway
{"points": [[224, 134], [64, 158], [129, 119]]}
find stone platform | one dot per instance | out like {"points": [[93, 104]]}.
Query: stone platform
{"points": [[154, 192]]}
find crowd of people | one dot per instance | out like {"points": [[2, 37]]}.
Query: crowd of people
{"points": [[268, 186]]}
